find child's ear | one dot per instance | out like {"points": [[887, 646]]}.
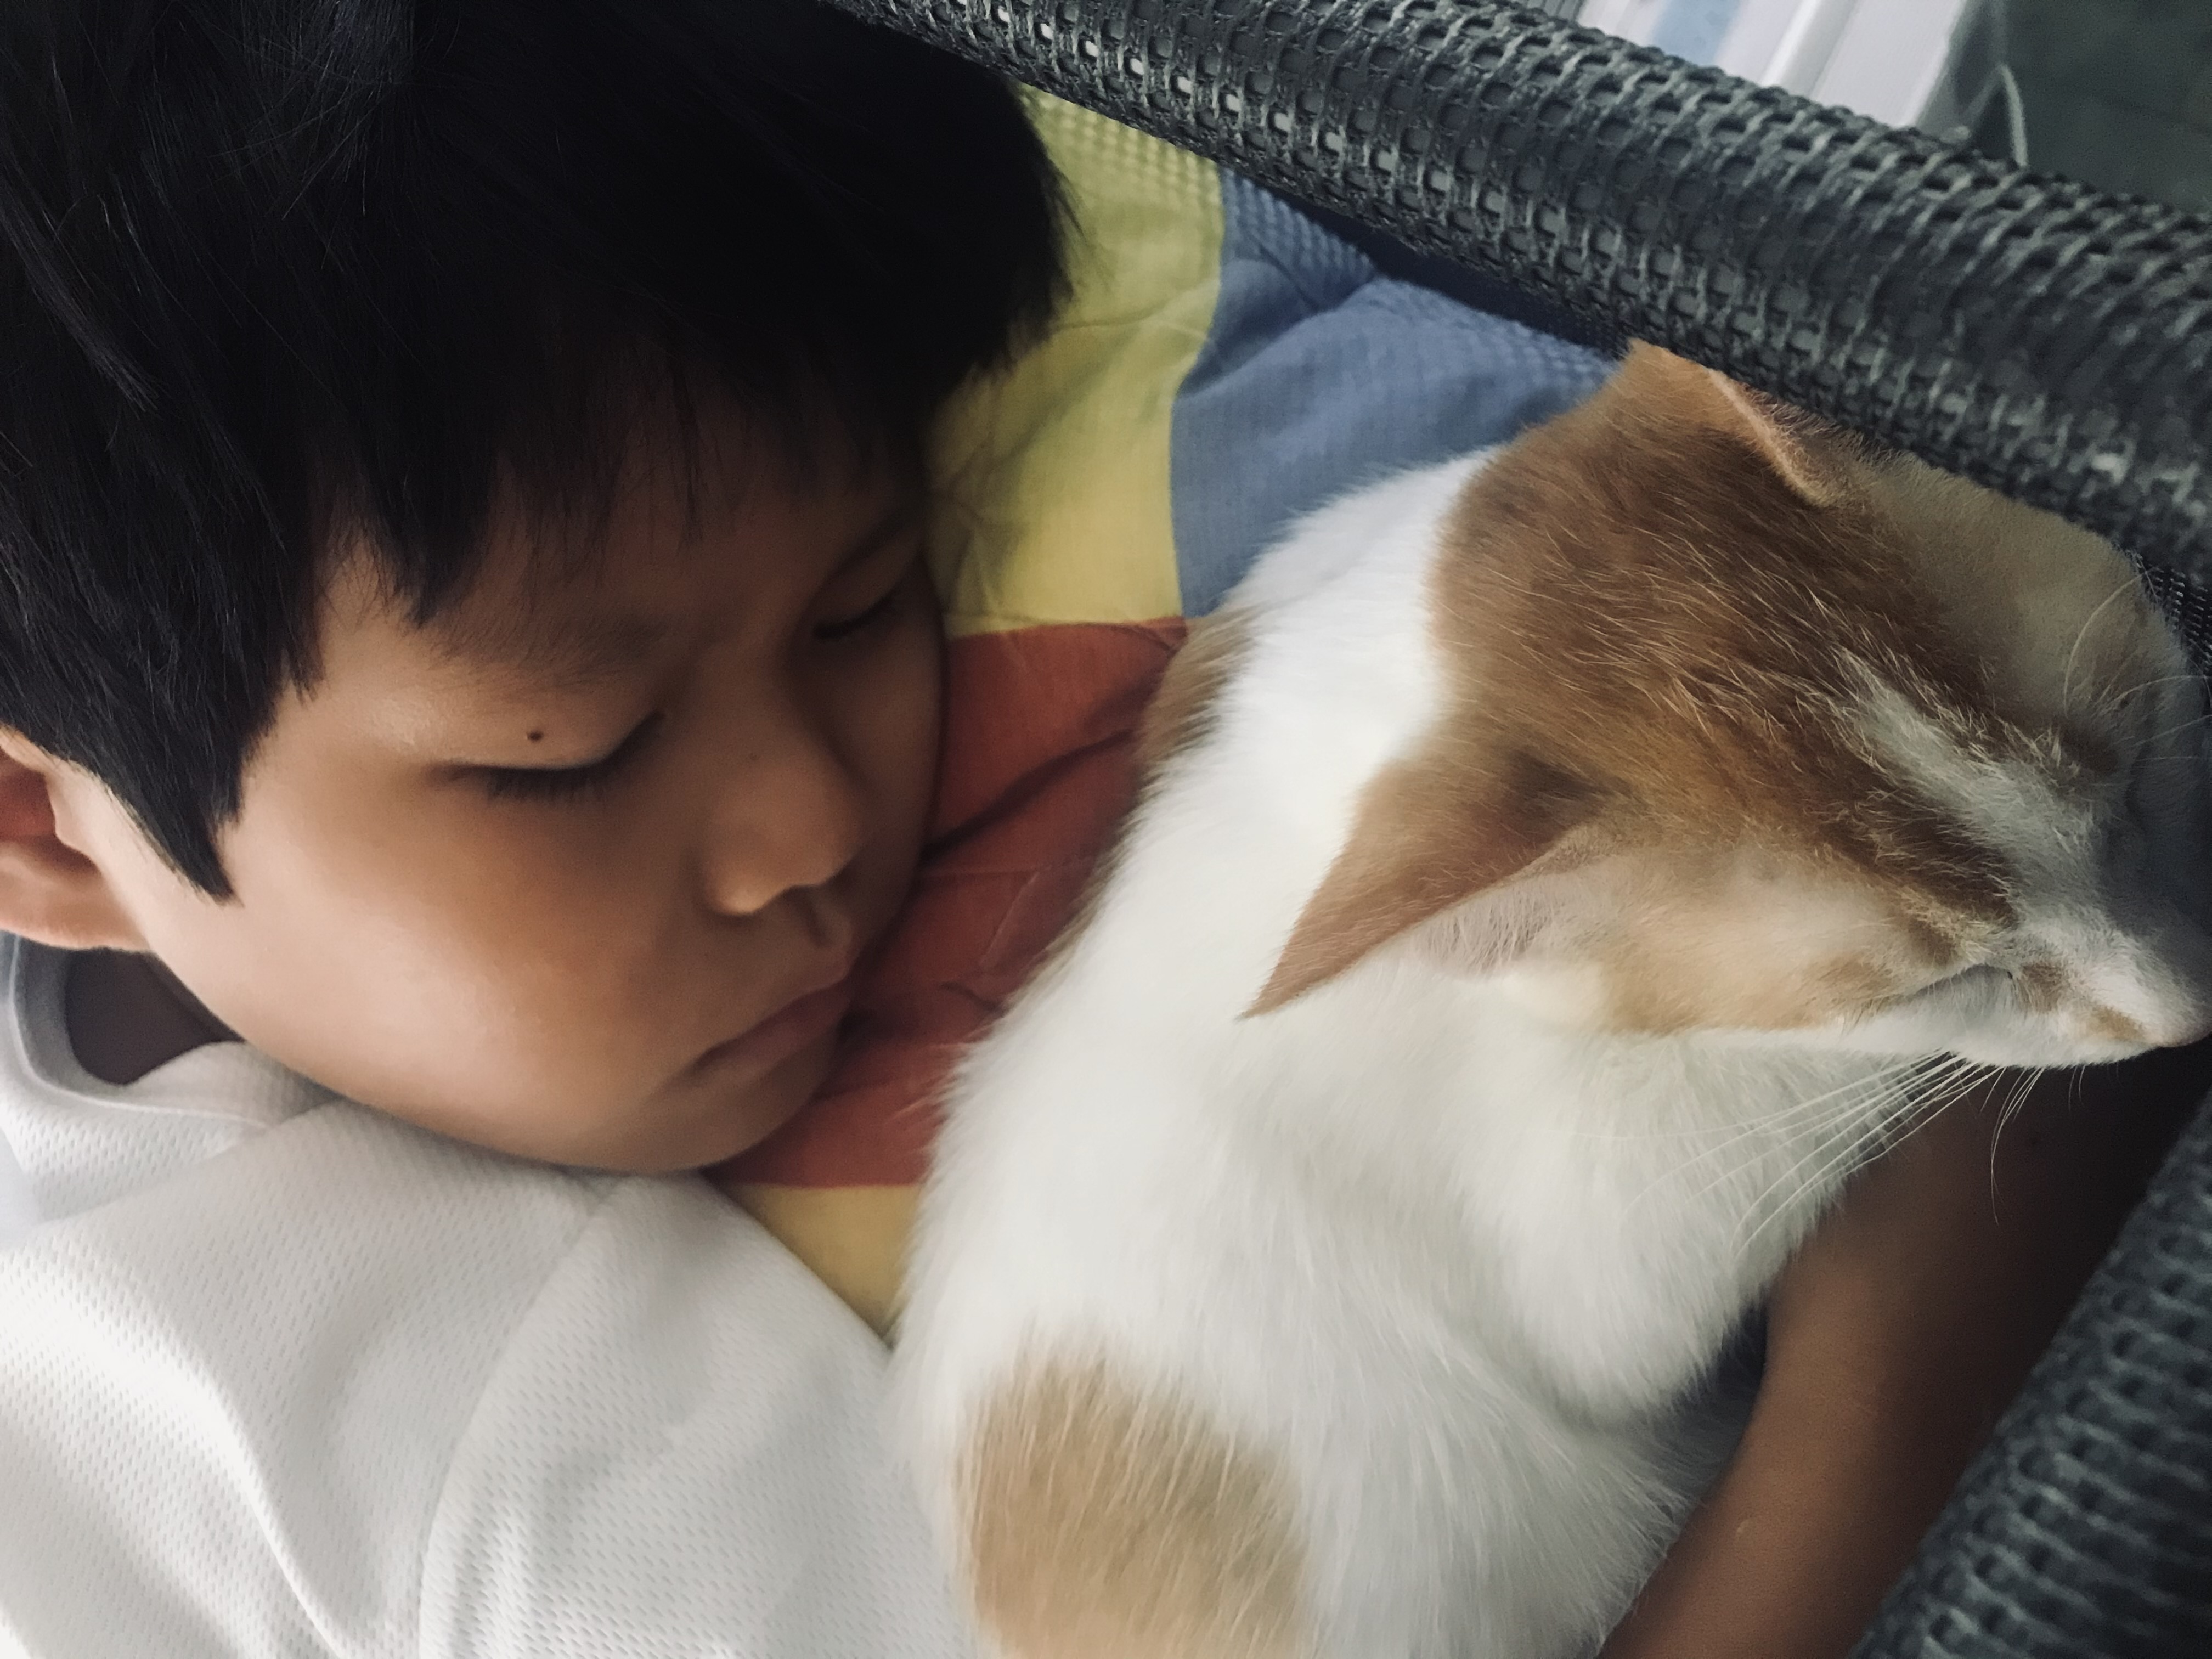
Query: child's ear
{"points": [[49, 891], [1812, 456], [1428, 837]]}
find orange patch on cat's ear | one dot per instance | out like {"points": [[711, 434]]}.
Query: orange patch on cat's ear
{"points": [[1793, 442], [1803, 449], [1435, 829], [1647, 594]]}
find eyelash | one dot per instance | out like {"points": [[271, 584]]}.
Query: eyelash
{"points": [[861, 621], [564, 782]]}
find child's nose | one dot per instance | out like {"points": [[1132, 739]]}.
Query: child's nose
{"points": [[788, 816]]}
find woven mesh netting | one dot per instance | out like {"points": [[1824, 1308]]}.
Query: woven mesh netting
{"points": [[2030, 333], [2086, 1528]]}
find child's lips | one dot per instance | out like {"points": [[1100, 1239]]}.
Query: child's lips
{"points": [[783, 1034]]}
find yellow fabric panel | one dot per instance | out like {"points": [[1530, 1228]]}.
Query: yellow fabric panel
{"points": [[1052, 506], [852, 1238], [1053, 475]]}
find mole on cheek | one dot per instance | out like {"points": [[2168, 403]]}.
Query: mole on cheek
{"points": [[537, 737]]}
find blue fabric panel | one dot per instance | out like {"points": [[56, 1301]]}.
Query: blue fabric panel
{"points": [[1319, 375], [1694, 29]]}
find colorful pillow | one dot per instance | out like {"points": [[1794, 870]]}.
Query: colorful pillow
{"points": [[1222, 366]]}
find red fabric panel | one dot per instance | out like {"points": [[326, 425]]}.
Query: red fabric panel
{"points": [[1037, 773]]}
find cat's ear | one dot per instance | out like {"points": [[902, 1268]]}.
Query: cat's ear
{"points": [[1550, 906], [1428, 837], [1812, 456]]}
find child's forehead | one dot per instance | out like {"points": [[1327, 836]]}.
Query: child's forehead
{"points": [[571, 647], [522, 613], [567, 605]]}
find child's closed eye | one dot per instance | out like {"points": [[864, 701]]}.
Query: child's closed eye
{"points": [[560, 782], [880, 610], [885, 603]]}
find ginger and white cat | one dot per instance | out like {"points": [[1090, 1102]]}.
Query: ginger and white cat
{"points": [[1558, 868]]}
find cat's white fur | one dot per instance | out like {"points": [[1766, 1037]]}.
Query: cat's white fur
{"points": [[1429, 1241]]}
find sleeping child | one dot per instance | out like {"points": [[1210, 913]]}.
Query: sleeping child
{"points": [[473, 706]]}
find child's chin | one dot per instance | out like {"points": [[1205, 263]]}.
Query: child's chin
{"points": [[758, 1108]]}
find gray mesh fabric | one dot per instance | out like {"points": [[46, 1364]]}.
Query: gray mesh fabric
{"points": [[2086, 1528], [2030, 333]]}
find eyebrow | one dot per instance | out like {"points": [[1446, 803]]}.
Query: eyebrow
{"points": [[903, 518], [578, 653], [573, 655]]}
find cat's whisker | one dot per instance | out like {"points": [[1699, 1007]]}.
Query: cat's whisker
{"points": [[2175, 731], [1773, 1123], [1717, 1154], [1824, 1158], [1855, 1133], [1954, 1078], [1697, 1130], [2128, 585], [2186, 678], [1941, 1085], [2014, 1103], [1957, 1088], [1861, 1146], [1945, 1067], [1747, 1125]]}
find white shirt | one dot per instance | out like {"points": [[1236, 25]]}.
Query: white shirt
{"points": [[280, 1375]]}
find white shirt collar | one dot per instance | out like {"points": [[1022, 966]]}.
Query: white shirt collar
{"points": [[73, 1141]]}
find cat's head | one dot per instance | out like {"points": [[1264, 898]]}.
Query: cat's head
{"points": [[1754, 727]]}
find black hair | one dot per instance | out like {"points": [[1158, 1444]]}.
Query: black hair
{"points": [[267, 267]]}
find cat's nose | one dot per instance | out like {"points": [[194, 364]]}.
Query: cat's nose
{"points": [[2181, 1023], [2165, 987]]}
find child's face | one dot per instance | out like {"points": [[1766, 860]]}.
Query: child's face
{"points": [[581, 870]]}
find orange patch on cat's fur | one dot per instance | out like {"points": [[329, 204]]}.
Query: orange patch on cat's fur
{"points": [[1659, 997], [2115, 1026], [2042, 986], [1108, 1524], [1652, 613], [1181, 710]]}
